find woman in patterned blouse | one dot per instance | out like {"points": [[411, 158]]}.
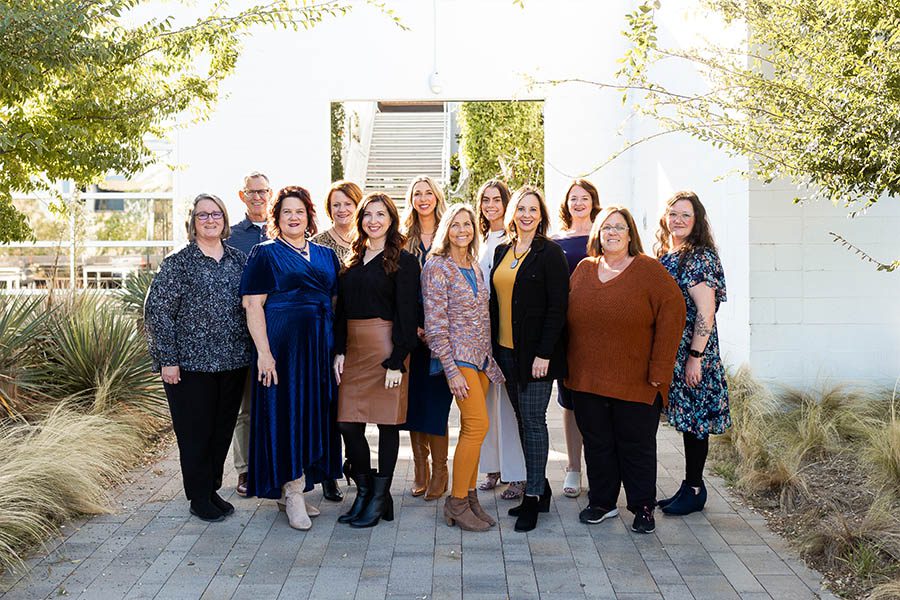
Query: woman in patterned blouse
{"points": [[698, 398], [458, 331], [198, 340]]}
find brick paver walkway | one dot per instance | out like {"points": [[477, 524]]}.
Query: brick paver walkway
{"points": [[152, 548]]}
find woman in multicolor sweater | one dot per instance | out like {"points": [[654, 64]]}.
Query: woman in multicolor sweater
{"points": [[457, 328]]}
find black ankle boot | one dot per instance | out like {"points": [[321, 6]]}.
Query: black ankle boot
{"points": [[543, 502], [381, 506], [331, 491], [528, 516], [363, 497]]}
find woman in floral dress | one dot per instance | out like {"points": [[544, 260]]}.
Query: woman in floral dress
{"points": [[698, 397]]}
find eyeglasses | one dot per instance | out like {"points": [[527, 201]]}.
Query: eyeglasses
{"points": [[256, 192], [610, 228], [205, 216], [677, 215]]}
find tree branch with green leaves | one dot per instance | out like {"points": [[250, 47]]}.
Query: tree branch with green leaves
{"points": [[83, 88]]}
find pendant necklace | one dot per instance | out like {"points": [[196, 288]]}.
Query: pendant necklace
{"points": [[304, 251], [340, 237], [517, 258]]}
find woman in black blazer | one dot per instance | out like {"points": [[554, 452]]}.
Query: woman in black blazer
{"points": [[529, 298]]}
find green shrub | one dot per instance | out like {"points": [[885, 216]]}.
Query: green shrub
{"points": [[97, 360], [134, 292], [502, 139], [22, 322]]}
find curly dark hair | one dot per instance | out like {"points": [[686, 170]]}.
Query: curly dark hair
{"points": [[273, 230], [701, 235], [565, 215], [393, 241]]}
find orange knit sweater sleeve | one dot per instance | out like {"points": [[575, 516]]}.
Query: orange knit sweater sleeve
{"points": [[668, 304]]}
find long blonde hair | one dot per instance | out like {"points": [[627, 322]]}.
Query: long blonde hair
{"points": [[441, 244], [412, 226]]}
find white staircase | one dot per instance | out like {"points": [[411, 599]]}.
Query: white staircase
{"points": [[405, 145]]}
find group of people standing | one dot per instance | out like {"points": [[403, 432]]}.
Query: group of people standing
{"points": [[303, 338]]}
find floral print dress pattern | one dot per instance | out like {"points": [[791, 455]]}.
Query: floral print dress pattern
{"points": [[703, 409]]}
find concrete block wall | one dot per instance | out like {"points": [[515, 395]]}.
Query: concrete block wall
{"points": [[819, 314]]}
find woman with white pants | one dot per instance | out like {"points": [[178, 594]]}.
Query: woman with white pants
{"points": [[501, 452]]}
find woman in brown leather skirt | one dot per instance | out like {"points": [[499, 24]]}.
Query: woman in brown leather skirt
{"points": [[375, 330]]}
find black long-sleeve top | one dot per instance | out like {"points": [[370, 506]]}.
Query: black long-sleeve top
{"points": [[365, 291]]}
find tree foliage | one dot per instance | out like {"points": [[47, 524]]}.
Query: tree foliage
{"points": [[813, 95], [84, 83], [502, 139]]}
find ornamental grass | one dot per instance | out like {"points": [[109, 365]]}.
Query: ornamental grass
{"points": [[56, 469], [78, 406], [824, 466]]}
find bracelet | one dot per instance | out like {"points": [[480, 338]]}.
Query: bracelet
{"points": [[695, 353]]}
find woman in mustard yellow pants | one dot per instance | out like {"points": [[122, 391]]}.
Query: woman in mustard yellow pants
{"points": [[457, 328]]}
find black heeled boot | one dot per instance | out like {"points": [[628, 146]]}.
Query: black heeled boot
{"points": [[381, 505], [543, 503], [331, 491], [528, 516], [363, 497]]}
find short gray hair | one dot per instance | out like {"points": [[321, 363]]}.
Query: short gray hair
{"points": [[253, 174], [192, 225]]}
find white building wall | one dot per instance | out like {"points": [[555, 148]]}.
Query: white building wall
{"points": [[818, 313]]}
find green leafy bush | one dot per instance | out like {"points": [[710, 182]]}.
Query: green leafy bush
{"points": [[502, 139]]}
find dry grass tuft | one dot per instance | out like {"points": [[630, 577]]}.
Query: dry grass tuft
{"points": [[830, 459], [886, 591], [56, 469]]}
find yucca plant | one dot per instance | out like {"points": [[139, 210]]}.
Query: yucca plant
{"points": [[134, 292], [55, 469], [22, 322], [98, 360]]}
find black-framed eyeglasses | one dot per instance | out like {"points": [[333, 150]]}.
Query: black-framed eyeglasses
{"points": [[205, 216], [257, 192]]}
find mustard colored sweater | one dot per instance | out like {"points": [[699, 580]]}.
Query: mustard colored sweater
{"points": [[624, 333]]}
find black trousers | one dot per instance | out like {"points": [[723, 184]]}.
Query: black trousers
{"points": [[204, 409], [619, 449]]}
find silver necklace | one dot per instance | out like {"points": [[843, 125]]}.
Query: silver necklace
{"points": [[516, 257]]}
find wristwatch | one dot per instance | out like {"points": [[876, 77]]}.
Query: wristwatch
{"points": [[695, 353]]}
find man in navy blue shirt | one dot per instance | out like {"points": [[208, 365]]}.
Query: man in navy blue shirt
{"points": [[252, 230], [244, 235]]}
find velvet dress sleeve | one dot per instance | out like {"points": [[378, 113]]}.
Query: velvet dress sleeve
{"points": [[259, 274], [407, 291], [556, 270]]}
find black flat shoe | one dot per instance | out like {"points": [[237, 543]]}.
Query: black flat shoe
{"points": [[205, 510], [226, 507], [331, 491]]}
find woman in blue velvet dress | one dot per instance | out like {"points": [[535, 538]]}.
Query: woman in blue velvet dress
{"points": [[288, 286]]}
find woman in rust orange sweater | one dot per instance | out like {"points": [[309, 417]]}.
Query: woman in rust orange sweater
{"points": [[625, 319]]}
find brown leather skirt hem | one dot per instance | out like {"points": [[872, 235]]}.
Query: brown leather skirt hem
{"points": [[362, 397]]}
